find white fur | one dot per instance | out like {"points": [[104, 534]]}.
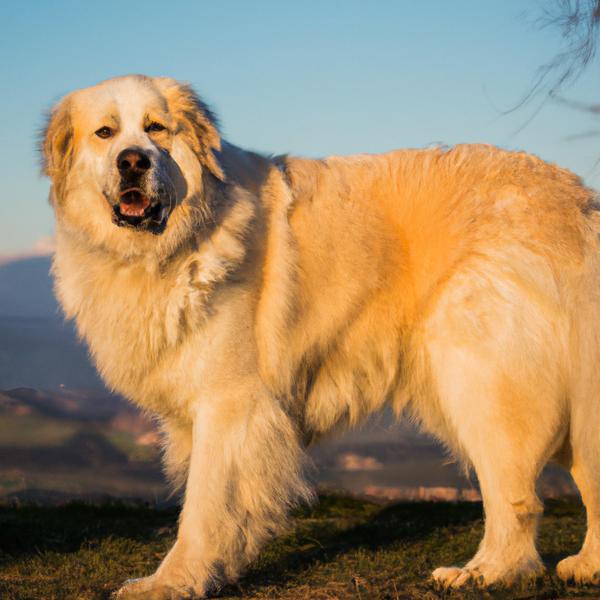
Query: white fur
{"points": [[289, 297]]}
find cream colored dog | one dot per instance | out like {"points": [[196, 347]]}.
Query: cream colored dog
{"points": [[255, 303]]}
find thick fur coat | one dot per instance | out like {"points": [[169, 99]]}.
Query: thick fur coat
{"points": [[254, 304]]}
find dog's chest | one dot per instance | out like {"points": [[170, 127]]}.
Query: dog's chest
{"points": [[138, 324]]}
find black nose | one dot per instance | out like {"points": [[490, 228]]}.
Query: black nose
{"points": [[133, 161]]}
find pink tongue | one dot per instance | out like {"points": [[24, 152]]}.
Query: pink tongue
{"points": [[134, 206], [132, 210]]}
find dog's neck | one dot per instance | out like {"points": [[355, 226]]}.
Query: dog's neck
{"points": [[105, 294]]}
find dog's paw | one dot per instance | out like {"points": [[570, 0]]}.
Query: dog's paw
{"points": [[455, 577], [580, 568], [148, 588], [484, 574]]}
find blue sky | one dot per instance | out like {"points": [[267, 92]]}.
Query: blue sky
{"points": [[311, 78]]}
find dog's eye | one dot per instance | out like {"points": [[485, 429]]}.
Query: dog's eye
{"points": [[104, 132], [154, 126]]}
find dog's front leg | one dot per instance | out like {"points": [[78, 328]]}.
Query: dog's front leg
{"points": [[245, 473]]}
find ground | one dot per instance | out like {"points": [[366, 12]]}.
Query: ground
{"points": [[341, 548]]}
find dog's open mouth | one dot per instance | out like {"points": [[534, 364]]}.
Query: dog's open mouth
{"points": [[133, 203], [135, 209]]}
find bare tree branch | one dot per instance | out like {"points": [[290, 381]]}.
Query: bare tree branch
{"points": [[582, 136], [578, 22], [582, 106]]}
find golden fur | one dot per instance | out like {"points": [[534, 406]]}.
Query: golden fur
{"points": [[287, 297]]}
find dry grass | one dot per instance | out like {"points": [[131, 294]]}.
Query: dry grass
{"points": [[343, 548]]}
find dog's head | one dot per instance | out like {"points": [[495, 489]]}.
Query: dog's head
{"points": [[131, 158]]}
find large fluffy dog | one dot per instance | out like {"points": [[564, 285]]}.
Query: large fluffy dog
{"points": [[256, 303]]}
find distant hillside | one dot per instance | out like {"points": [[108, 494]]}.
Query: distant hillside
{"points": [[43, 352], [26, 288], [65, 443], [66, 404], [37, 348]]}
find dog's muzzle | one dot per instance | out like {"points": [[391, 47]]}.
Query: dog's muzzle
{"points": [[135, 208], [138, 211]]}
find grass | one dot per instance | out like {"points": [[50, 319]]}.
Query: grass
{"points": [[32, 431], [341, 548]]}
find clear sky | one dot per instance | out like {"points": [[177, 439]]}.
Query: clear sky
{"points": [[310, 77]]}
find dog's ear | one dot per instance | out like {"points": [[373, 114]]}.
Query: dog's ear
{"points": [[196, 121], [56, 141]]}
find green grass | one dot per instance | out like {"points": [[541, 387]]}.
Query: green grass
{"points": [[342, 548], [127, 444], [33, 430]]}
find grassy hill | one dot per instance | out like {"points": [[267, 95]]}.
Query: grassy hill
{"points": [[342, 548]]}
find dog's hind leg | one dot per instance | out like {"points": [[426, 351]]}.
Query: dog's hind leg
{"points": [[584, 567], [507, 462], [498, 386]]}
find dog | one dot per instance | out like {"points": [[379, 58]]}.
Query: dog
{"points": [[255, 303]]}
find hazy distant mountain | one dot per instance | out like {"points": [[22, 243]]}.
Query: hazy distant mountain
{"points": [[37, 348], [66, 404], [43, 353], [26, 288]]}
